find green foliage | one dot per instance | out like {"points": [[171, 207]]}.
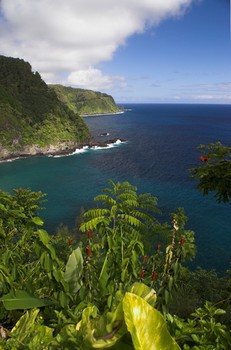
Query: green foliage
{"points": [[102, 292], [119, 233], [195, 287], [123, 209], [201, 331], [83, 101], [134, 315], [29, 333], [214, 175], [73, 272], [21, 300], [146, 325]]}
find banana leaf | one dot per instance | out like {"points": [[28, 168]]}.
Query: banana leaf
{"points": [[73, 272], [20, 300], [146, 325]]}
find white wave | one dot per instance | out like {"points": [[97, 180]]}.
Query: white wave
{"points": [[11, 159], [80, 150], [116, 143], [96, 148], [77, 151], [87, 148]]}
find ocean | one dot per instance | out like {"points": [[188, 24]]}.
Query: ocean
{"points": [[160, 148]]}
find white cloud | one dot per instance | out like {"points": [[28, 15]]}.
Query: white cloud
{"points": [[212, 97], [94, 79], [67, 37]]}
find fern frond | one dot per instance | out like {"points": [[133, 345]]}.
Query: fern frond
{"points": [[94, 213], [131, 220], [94, 223], [105, 199]]}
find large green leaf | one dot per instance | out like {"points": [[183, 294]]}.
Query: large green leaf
{"points": [[103, 278], [20, 300], [146, 325], [74, 270], [145, 292]]}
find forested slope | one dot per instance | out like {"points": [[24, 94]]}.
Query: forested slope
{"points": [[32, 118], [84, 101]]}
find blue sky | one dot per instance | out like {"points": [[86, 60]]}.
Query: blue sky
{"points": [[160, 51], [187, 59]]}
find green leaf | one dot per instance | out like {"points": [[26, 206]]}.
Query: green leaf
{"points": [[103, 278], [24, 324], [144, 292], [44, 237], [20, 300], [29, 333], [146, 325], [96, 335], [74, 270], [38, 221]]}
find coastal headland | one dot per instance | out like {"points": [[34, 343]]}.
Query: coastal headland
{"points": [[39, 119]]}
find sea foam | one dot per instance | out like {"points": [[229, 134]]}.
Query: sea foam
{"points": [[93, 148]]}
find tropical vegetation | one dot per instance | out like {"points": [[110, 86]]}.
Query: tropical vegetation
{"points": [[101, 285], [83, 101]]}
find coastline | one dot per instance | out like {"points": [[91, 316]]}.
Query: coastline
{"points": [[64, 149], [101, 114], [81, 148]]}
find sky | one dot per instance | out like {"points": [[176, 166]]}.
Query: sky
{"points": [[144, 51]]}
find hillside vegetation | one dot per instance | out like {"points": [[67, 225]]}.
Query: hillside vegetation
{"points": [[85, 101], [32, 118]]}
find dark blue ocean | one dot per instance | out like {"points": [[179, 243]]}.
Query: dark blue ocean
{"points": [[162, 141]]}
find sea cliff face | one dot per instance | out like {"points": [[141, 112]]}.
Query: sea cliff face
{"points": [[32, 118]]}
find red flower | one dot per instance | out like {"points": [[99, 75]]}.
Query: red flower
{"points": [[182, 242], [144, 259], [153, 275], [70, 241], [158, 247], [204, 159], [89, 234], [88, 252], [142, 273]]}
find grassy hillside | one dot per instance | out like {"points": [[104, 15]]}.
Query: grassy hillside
{"points": [[85, 101], [31, 113]]}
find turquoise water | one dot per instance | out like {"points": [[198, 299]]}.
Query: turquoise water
{"points": [[161, 146]]}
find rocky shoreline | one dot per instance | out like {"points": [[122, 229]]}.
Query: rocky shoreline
{"points": [[54, 150]]}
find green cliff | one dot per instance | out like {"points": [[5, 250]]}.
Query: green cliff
{"points": [[85, 101], [32, 118]]}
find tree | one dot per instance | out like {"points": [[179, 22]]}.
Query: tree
{"points": [[122, 209], [214, 175]]}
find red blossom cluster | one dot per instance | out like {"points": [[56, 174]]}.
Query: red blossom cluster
{"points": [[182, 241], [204, 159], [88, 252], [142, 273], [153, 276]]}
